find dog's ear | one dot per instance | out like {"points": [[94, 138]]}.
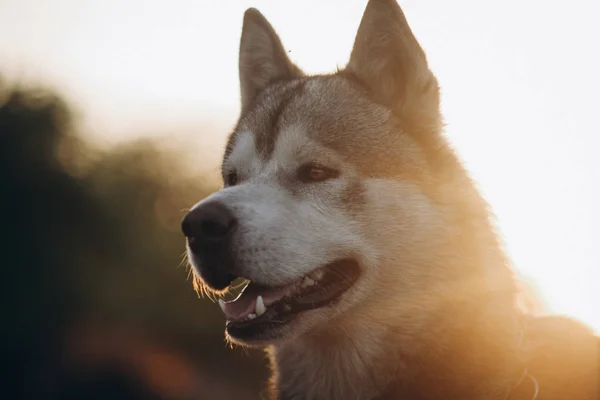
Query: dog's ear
{"points": [[263, 59], [389, 61]]}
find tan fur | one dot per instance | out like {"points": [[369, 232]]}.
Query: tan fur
{"points": [[434, 314]]}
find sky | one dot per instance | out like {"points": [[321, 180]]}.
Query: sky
{"points": [[520, 84]]}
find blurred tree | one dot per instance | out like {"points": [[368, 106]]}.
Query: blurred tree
{"points": [[91, 238], [42, 210]]}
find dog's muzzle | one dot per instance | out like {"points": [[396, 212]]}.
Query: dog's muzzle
{"points": [[209, 229]]}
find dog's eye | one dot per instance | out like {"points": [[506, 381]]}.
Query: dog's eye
{"points": [[231, 179], [316, 173]]}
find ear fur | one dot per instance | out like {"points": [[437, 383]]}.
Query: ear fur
{"points": [[262, 58], [389, 61]]}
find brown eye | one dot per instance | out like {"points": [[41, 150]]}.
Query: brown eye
{"points": [[231, 179], [316, 173]]}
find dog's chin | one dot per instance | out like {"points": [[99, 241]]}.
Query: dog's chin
{"points": [[264, 314]]}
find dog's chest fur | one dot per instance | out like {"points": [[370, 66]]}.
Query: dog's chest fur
{"points": [[337, 366], [557, 359]]}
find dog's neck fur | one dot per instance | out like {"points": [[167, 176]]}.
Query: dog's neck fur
{"points": [[470, 352], [469, 348]]}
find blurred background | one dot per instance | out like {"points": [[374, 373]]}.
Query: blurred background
{"points": [[113, 118]]}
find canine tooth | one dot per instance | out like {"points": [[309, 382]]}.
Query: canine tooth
{"points": [[251, 316], [222, 305], [260, 306]]}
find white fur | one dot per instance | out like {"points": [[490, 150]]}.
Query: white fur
{"points": [[283, 236]]}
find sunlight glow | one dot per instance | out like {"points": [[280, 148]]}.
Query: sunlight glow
{"points": [[519, 83]]}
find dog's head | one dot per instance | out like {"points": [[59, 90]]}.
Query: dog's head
{"points": [[339, 191]]}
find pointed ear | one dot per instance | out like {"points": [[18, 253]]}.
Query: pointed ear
{"points": [[263, 59], [389, 61]]}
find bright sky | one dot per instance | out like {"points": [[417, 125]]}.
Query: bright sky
{"points": [[520, 82]]}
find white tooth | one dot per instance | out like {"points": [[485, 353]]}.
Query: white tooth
{"points": [[222, 305], [251, 316], [260, 306], [308, 282]]}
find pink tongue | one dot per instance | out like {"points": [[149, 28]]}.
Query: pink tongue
{"points": [[245, 303]]}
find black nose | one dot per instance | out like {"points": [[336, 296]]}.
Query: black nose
{"points": [[211, 222]]}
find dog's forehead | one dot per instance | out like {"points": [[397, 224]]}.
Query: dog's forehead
{"points": [[328, 112]]}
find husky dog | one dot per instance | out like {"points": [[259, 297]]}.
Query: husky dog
{"points": [[374, 270]]}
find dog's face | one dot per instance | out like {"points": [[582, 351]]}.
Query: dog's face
{"points": [[329, 185]]}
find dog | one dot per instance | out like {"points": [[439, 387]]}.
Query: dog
{"points": [[373, 265]]}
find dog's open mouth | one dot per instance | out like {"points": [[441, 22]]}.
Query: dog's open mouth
{"points": [[259, 306]]}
